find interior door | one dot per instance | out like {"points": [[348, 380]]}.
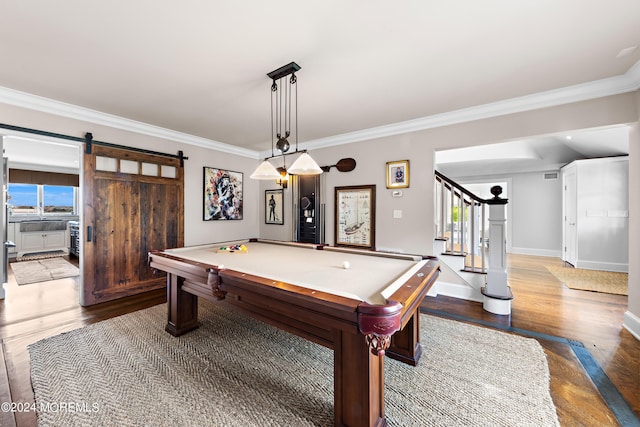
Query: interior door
{"points": [[570, 208], [132, 204]]}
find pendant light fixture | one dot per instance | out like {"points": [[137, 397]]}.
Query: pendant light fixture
{"points": [[305, 165], [265, 171], [283, 93]]}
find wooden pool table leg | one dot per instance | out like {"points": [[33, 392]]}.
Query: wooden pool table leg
{"points": [[405, 344], [182, 307], [358, 382]]}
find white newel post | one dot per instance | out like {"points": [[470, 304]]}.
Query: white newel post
{"points": [[497, 294]]}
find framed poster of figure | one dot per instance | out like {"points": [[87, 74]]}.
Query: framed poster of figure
{"points": [[355, 218], [222, 194], [273, 208], [398, 174]]}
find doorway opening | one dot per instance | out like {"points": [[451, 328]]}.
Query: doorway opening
{"points": [[41, 199]]}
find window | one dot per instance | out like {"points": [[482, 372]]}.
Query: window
{"points": [[23, 198], [33, 199], [57, 199]]}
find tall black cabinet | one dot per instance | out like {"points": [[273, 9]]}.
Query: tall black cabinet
{"points": [[309, 210]]}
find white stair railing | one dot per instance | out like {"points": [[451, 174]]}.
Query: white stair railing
{"points": [[461, 221]]}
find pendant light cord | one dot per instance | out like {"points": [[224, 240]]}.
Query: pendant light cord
{"points": [[294, 80], [274, 88]]}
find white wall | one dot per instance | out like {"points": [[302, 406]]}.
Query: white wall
{"points": [[197, 231], [275, 231], [534, 212], [537, 215], [632, 316]]}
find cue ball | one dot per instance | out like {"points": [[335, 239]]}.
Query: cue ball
{"points": [[345, 265]]}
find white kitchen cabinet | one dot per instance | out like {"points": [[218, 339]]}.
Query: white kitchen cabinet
{"points": [[41, 241], [30, 241]]}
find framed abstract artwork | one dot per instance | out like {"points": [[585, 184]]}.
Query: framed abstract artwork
{"points": [[273, 207], [222, 194], [355, 216]]}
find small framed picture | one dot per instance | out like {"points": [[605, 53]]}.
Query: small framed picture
{"points": [[398, 174], [273, 207]]}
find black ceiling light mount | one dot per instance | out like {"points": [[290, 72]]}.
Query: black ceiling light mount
{"points": [[284, 71]]}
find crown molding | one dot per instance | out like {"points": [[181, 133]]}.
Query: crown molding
{"points": [[633, 75], [628, 82], [50, 106]]}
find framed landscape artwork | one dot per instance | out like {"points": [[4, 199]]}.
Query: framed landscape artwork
{"points": [[273, 207], [222, 194], [355, 216], [398, 174]]}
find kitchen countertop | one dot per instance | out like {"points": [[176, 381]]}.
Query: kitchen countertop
{"points": [[46, 219]]}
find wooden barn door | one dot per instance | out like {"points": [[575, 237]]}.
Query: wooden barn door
{"points": [[132, 204]]}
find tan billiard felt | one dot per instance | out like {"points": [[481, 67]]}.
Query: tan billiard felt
{"points": [[370, 278]]}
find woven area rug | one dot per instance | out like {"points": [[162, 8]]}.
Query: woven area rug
{"points": [[43, 270], [236, 371], [609, 282]]}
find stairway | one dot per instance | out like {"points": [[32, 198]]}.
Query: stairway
{"points": [[454, 280], [471, 244]]}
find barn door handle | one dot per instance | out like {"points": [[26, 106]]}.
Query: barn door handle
{"points": [[89, 233]]}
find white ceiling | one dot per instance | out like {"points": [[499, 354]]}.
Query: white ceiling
{"points": [[199, 67], [42, 155], [547, 153]]}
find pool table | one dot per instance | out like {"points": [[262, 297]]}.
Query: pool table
{"points": [[362, 304]]}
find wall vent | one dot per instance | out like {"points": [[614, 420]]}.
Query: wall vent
{"points": [[550, 175]]}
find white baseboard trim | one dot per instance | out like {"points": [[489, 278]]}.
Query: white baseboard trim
{"points": [[605, 266], [537, 252], [455, 290], [632, 324]]}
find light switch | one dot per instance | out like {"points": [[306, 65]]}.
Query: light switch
{"points": [[397, 213]]}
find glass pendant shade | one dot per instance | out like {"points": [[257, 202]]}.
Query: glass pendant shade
{"points": [[266, 171], [304, 165]]}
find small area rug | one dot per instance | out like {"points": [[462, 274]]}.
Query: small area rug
{"points": [[609, 282], [43, 270], [236, 371]]}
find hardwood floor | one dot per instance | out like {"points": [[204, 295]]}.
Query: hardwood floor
{"points": [[543, 308]]}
